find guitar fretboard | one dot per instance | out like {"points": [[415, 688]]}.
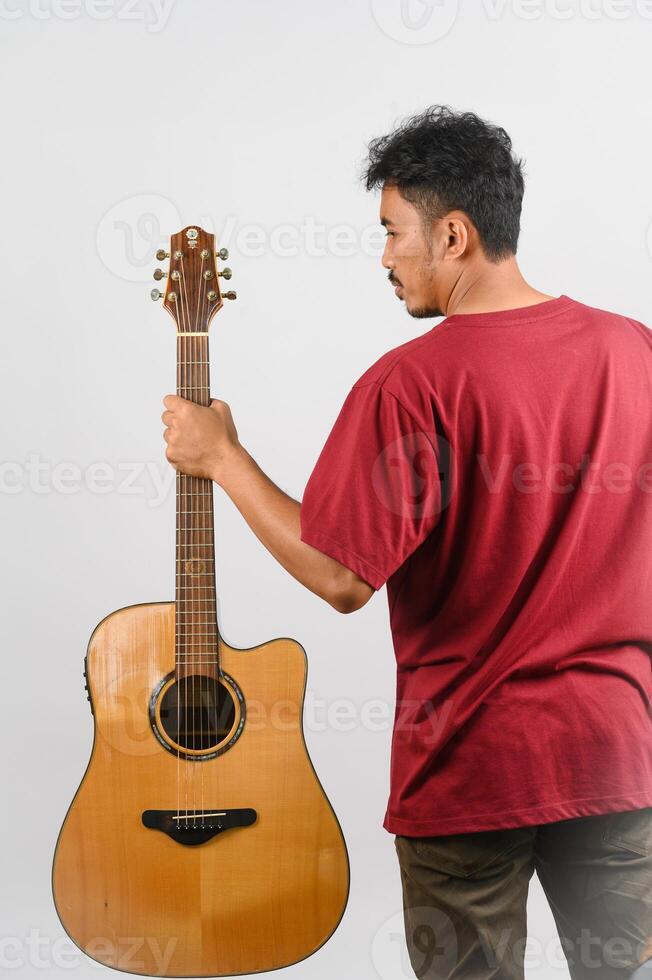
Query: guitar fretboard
{"points": [[196, 605]]}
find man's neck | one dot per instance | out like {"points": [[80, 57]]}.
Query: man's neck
{"points": [[490, 288]]}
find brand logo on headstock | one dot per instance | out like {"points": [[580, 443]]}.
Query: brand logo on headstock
{"points": [[192, 234]]}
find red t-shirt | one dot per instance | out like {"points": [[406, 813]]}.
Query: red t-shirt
{"points": [[496, 473]]}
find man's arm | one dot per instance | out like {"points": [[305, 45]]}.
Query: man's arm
{"points": [[203, 442], [273, 516]]}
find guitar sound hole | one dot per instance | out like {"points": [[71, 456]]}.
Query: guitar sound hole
{"points": [[197, 712]]}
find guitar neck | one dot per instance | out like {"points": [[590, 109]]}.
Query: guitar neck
{"points": [[196, 598]]}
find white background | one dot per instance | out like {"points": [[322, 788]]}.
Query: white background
{"points": [[121, 124]]}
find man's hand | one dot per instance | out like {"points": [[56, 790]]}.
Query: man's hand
{"points": [[201, 440]]}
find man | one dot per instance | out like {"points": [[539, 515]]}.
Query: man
{"points": [[494, 472]]}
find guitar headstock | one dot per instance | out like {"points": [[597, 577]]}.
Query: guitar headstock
{"points": [[192, 293]]}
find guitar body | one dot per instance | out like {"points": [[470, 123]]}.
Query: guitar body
{"points": [[251, 897]]}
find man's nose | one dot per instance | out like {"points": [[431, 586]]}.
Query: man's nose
{"points": [[387, 260]]}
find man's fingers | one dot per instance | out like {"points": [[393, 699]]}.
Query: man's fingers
{"points": [[172, 401], [167, 417]]}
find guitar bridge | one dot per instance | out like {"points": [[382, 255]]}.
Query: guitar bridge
{"points": [[196, 826]]}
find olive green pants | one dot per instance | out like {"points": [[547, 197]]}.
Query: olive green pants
{"points": [[464, 899]]}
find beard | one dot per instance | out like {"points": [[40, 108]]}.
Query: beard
{"points": [[423, 312], [420, 312]]}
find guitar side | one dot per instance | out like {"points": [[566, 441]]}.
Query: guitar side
{"points": [[253, 897]]}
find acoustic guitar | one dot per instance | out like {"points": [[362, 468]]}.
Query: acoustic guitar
{"points": [[200, 841]]}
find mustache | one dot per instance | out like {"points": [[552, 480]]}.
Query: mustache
{"points": [[394, 281]]}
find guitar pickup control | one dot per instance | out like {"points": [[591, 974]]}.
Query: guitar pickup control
{"points": [[86, 688]]}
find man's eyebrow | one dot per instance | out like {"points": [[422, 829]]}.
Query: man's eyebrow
{"points": [[386, 221]]}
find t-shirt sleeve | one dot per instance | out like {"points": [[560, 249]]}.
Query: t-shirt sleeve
{"points": [[375, 492]]}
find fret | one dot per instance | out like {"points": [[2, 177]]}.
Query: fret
{"points": [[196, 611], [195, 588], [191, 601], [196, 663], [196, 634]]}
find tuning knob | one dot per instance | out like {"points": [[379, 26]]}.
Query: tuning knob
{"points": [[230, 295], [156, 294], [227, 273], [162, 254], [159, 274], [223, 254]]}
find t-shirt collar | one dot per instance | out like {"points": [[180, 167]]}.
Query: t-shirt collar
{"points": [[521, 314]]}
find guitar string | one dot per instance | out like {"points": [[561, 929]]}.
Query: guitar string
{"points": [[216, 659], [216, 665], [187, 493], [200, 294], [207, 510], [177, 609], [181, 682]]}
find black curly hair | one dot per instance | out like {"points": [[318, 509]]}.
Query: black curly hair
{"points": [[441, 160]]}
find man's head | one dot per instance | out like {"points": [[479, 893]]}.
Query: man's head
{"points": [[451, 202]]}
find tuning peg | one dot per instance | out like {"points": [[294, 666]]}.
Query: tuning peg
{"points": [[159, 274], [156, 294], [223, 254], [162, 254], [227, 273], [230, 295]]}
